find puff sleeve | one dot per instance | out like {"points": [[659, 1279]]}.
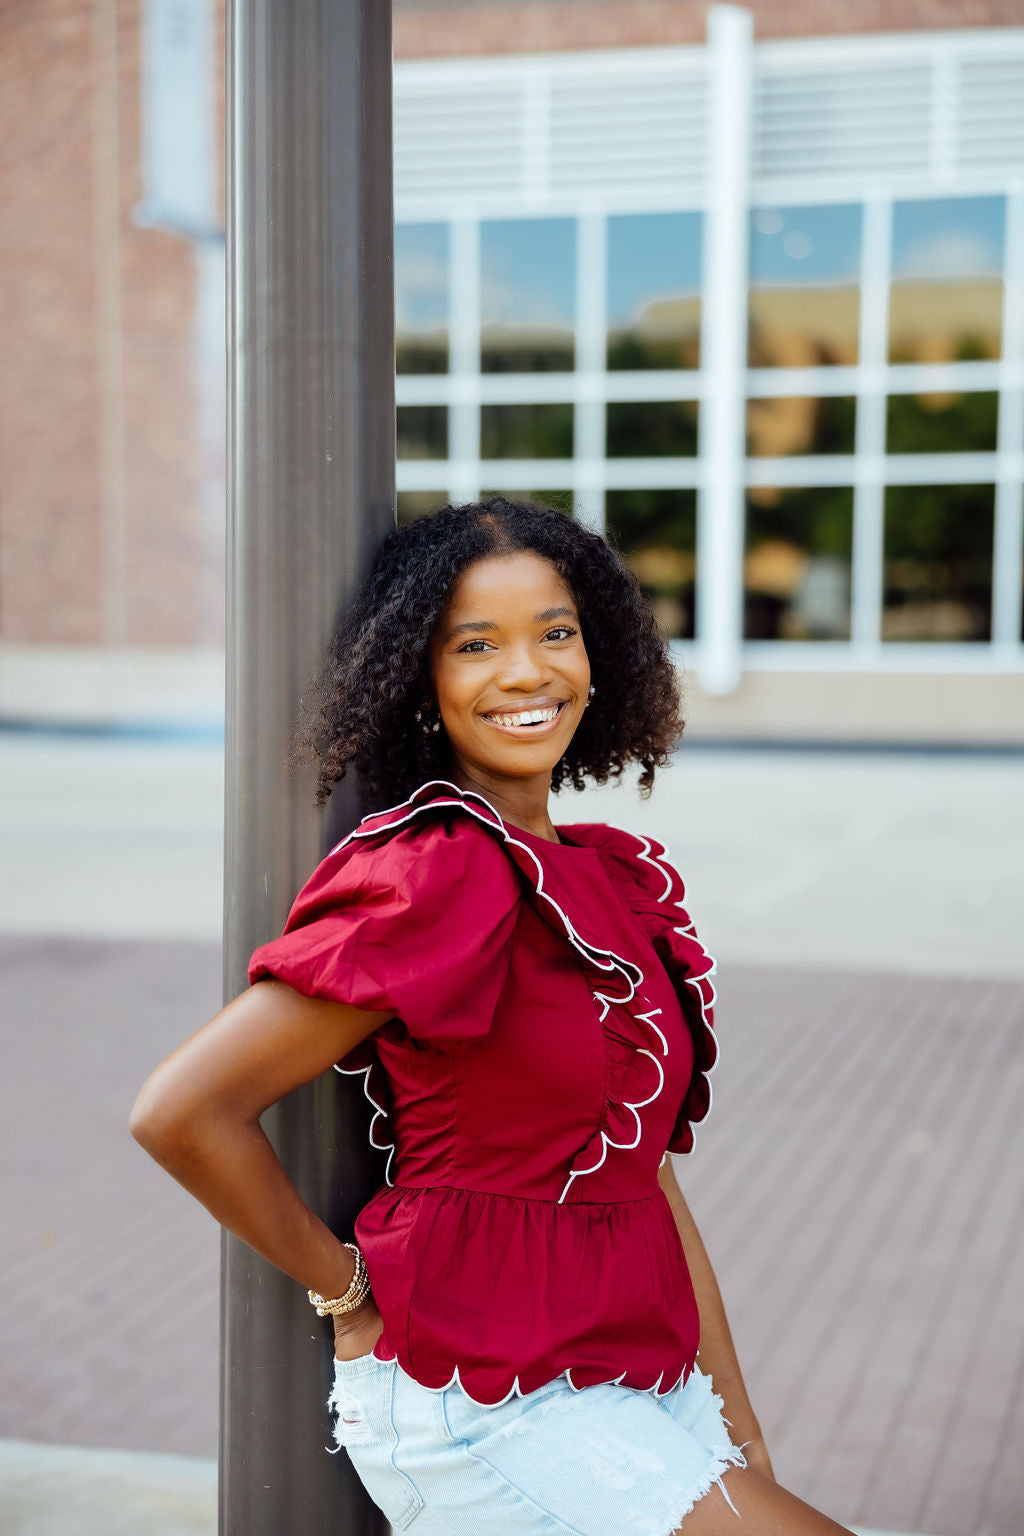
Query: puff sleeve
{"points": [[654, 890], [415, 922]]}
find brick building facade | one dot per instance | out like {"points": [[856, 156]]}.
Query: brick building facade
{"points": [[111, 396]]}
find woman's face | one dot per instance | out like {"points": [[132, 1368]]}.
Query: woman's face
{"points": [[509, 668]]}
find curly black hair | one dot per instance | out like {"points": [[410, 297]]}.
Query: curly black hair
{"points": [[361, 711]]}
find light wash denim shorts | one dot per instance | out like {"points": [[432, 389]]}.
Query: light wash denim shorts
{"points": [[602, 1461]]}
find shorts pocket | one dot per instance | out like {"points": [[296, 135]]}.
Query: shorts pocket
{"points": [[363, 1404]]}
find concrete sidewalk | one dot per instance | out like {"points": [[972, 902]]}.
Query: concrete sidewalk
{"points": [[50, 1490], [866, 1147]]}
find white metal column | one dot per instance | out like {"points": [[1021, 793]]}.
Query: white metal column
{"points": [[464, 360], [591, 336], [720, 507], [1008, 552]]}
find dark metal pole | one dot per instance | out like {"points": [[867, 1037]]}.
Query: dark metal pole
{"points": [[310, 495]]}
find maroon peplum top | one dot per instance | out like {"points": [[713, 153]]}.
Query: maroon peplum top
{"points": [[550, 1039]]}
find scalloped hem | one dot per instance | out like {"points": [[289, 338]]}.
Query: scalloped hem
{"points": [[515, 1390]]}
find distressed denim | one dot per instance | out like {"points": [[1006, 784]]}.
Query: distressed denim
{"points": [[603, 1461]]}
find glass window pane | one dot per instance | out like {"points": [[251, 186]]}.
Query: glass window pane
{"points": [[421, 298], [654, 268], [946, 300], [422, 431], [412, 504], [558, 501], [796, 567], [942, 423], [527, 295], [794, 425], [526, 431], [938, 562], [804, 286], [655, 532], [651, 428]]}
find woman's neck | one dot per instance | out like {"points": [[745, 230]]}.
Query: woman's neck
{"points": [[523, 803]]}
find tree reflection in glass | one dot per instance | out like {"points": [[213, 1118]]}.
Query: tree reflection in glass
{"points": [[413, 504], [526, 431], [938, 562], [946, 300], [421, 298], [791, 424], [654, 275], [527, 295], [422, 431], [637, 429], [942, 423], [796, 567], [804, 286], [655, 532]]}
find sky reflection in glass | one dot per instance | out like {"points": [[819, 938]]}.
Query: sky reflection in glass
{"points": [[946, 301], [654, 275], [804, 285], [527, 295], [421, 298]]}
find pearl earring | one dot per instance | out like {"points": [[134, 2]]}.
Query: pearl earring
{"points": [[590, 694]]}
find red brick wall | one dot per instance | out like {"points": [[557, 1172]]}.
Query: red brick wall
{"points": [[102, 536], [427, 29]]}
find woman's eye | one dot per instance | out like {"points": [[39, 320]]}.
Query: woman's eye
{"points": [[562, 632], [470, 647]]}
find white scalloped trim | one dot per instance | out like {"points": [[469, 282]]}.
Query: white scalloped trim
{"points": [[515, 1390], [670, 874], [380, 1113], [603, 959]]}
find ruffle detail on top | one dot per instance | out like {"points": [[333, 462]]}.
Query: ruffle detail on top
{"points": [[636, 1046], [655, 892]]}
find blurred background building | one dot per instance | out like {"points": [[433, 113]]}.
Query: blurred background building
{"points": [[746, 288], [580, 189]]}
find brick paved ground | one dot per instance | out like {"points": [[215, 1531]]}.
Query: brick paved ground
{"points": [[861, 1185]]}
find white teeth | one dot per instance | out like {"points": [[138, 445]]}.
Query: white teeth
{"points": [[526, 717]]}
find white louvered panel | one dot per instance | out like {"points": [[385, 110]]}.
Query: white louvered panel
{"points": [[841, 121], [637, 134], [458, 143], [991, 117]]}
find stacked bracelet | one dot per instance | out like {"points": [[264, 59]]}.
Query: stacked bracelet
{"points": [[353, 1297]]}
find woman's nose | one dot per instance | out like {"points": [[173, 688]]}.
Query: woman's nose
{"points": [[524, 668]]}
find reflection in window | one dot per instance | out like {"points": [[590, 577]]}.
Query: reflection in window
{"points": [[804, 286], [526, 431], [413, 504], [796, 424], [422, 431], [651, 428], [656, 534], [654, 269], [527, 295], [558, 501], [421, 298], [946, 300], [938, 562], [942, 423], [796, 567]]}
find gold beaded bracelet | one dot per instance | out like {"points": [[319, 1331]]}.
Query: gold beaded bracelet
{"points": [[356, 1294]]}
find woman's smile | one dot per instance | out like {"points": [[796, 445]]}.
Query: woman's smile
{"points": [[530, 719]]}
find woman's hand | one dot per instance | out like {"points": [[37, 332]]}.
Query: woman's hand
{"points": [[355, 1333]]}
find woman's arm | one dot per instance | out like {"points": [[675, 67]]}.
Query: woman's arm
{"points": [[717, 1354], [198, 1116]]}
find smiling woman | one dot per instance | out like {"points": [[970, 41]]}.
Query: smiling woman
{"points": [[543, 609], [518, 1317]]}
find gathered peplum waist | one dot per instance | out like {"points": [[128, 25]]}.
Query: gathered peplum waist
{"points": [[500, 1293]]}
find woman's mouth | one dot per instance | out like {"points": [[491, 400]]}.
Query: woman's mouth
{"points": [[525, 722]]}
